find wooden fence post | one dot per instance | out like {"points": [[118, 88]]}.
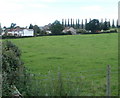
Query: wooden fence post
{"points": [[108, 89]]}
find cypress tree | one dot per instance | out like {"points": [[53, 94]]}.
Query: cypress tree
{"points": [[73, 25], [113, 25], [82, 24], [78, 23], [117, 23], [102, 20], [62, 22], [65, 23], [109, 23], [68, 23], [105, 25], [85, 23], [71, 22], [89, 19]]}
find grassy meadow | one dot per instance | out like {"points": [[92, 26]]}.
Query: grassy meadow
{"points": [[86, 55]]}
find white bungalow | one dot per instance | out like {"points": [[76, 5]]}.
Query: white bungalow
{"points": [[27, 32], [21, 32]]}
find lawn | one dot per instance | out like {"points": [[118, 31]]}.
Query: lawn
{"points": [[88, 54]]}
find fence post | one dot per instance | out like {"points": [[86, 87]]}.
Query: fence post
{"points": [[108, 89]]}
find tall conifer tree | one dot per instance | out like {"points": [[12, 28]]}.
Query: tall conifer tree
{"points": [[113, 25]]}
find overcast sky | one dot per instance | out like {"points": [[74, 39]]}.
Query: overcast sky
{"points": [[42, 12]]}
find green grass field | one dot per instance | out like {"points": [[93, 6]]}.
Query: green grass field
{"points": [[73, 53]]}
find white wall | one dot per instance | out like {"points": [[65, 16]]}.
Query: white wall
{"points": [[11, 32], [29, 32], [24, 32]]}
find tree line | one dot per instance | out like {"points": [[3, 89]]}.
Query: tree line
{"points": [[93, 25], [57, 27], [81, 24]]}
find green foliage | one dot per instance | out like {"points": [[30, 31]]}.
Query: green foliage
{"points": [[11, 63], [113, 24], [31, 26], [113, 30], [93, 25], [0, 30], [36, 30], [105, 26], [12, 25], [56, 28], [82, 25], [81, 31], [117, 24], [10, 56], [56, 84]]}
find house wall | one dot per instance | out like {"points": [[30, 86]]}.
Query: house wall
{"points": [[19, 33], [10, 33], [28, 32], [24, 32]]}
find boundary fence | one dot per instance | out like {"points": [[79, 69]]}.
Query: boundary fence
{"points": [[96, 82]]}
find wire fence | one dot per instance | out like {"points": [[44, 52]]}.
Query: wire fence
{"points": [[101, 82]]}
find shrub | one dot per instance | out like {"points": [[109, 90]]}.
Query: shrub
{"points": [[68, 33], [113, 30], [11, 65], [81, 31]]}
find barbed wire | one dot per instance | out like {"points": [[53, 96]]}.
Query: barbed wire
{"points": [[81, 73]]}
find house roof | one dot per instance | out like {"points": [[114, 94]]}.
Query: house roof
{"points": [[71, 29], [13, 30], [18, 29]]}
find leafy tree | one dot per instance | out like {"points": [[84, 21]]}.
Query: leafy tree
{"points": [[105, 25], [31, 26], [93, 25], [12, 25], [56, 28], [36, 30], [101, 25]]}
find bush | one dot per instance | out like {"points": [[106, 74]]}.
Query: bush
{"points": [[12, 66], [81, 31], [67, 33], [113, 30]]}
